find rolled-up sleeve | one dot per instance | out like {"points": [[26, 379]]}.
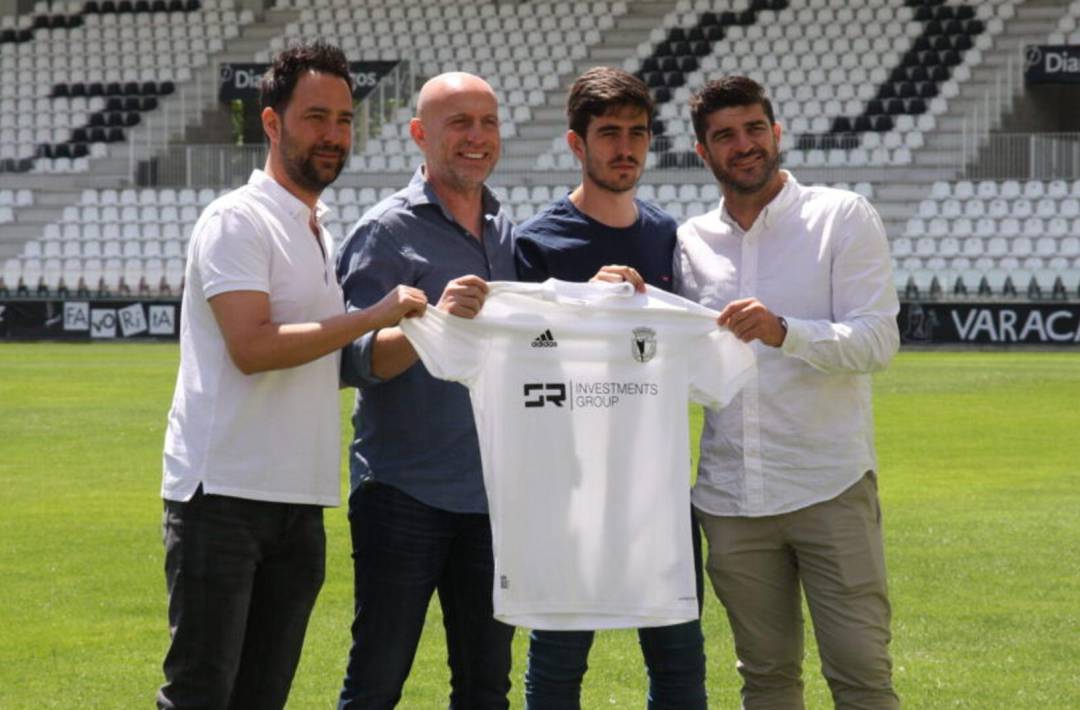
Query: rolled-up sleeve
{"points": [[369, 264], [863, 336]]}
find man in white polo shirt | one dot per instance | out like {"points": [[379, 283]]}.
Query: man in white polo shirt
{"points": [[253, 440], [787, 481]]}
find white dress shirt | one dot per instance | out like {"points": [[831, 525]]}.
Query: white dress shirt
{"points": [[801, 431], [271, 436]]}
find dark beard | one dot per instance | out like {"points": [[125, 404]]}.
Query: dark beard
{"points": [[772, 166], [306, 175], [609, 186]]}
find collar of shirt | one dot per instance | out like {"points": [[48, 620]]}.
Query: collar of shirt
{"points": [[776, 207], [293, 205], [420, 192]]}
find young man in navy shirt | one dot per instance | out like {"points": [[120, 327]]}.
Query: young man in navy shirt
{"points": [[602, 231]]}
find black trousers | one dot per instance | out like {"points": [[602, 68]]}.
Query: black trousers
{"points": [[242, 577]]}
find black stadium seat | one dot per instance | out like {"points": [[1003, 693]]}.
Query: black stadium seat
{"points": [[882, 123], [674, 79]]}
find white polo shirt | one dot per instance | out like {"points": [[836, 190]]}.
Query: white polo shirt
{"points": [[802, 430], [580, 396], [271, 436]]}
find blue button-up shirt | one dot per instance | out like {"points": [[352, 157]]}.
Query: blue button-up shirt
{"points": [[415, 432]]}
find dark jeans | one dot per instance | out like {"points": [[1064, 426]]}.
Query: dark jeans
{"points": [[403, 550], [242, 577], [674, 659]]}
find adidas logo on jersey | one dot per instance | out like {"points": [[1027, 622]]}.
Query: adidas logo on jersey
{"points": [[545, 340]]}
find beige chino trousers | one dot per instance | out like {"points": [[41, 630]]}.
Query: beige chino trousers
{"points": [[834, 552]]}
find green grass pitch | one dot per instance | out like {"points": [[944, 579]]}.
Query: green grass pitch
{"points": [[980, 481]]}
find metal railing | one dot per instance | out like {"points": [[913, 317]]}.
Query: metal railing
{"points": [[995, 101], [1026, 156], [156, 130], [395, 91]]}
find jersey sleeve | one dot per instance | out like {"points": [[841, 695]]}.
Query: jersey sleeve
{"points": [[720, 364], [450, 347]]}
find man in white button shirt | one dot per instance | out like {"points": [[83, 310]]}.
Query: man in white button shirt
{"points": [[786, 489], [252, 451]]}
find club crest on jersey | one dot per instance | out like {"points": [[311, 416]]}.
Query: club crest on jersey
{"points": [[643, 344]]}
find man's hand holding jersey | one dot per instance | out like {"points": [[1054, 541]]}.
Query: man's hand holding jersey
{"points": [[393, 353], [463, 296], [748, 318], [617, 273]]}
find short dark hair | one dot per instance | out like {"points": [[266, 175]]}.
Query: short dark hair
{"points": [[277, 84], [724, 93], [601, 90]]}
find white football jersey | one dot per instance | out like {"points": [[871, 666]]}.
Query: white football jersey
{"points": [[580, 393]]}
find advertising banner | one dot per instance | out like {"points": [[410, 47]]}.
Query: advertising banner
{"points": [[241, 81], [921, 323], [990, 323], [89, 320], [1052, 64]]}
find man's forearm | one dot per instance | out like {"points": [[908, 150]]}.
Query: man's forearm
{"points": [[276, 346], [391, 353]]}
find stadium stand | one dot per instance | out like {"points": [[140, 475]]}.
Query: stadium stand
{"points": [[97, 68], [854, 86], [874, 96]]}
